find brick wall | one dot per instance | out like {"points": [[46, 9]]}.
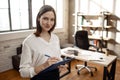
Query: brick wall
{"points": [[7, 49]]}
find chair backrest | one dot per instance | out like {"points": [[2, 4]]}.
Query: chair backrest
{"points": [[19, 50], [81, 39]]}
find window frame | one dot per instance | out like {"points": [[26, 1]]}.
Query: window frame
{"points": [[30, 23]]}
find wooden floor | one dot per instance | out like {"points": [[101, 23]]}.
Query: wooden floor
{"points": [[14, 75]]}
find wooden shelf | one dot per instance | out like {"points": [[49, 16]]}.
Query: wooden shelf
{"points": [[93, 26], [114, 17], [90, 16], [108, 26], [98, 26], [98, 37]]}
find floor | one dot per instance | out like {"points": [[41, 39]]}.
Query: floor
{"points": [[14, 75]]}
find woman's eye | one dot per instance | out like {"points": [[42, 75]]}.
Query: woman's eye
{"points": [[45, 18], [52, 19]]}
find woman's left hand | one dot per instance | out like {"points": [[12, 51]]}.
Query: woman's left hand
{"points": [[63, 67]]}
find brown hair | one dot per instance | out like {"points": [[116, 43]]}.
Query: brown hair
{"points": [[43, 10]]}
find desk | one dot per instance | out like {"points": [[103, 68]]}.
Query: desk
{"points": [[94, 57]]}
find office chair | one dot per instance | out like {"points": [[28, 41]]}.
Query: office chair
{"points": [[82, 41]]}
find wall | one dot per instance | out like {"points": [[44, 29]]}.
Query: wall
{"points": [[7, 49], [71, 20], [10, 41]]}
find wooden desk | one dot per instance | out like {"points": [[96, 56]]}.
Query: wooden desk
{"points": [[94, 57]]}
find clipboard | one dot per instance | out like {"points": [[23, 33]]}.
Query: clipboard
{"points": [[55, 66], [52, 67]]}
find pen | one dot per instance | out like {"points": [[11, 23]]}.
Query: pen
{"points": [[47, 55]]}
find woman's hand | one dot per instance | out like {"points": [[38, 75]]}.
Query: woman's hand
{"points": [[52, 60], [49, 62], [63, 67]]}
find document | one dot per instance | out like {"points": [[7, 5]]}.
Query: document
{"points": [[97, 57]]}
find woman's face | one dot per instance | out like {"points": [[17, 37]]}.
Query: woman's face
{"points": [[47, 21]]}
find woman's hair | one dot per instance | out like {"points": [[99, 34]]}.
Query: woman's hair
{"points": [[43, 10]]}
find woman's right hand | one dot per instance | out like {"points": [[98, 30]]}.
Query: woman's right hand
{"points": [[52, 60], [49, 62]]}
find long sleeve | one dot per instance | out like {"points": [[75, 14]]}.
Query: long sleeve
{"points": [[26, 69]]}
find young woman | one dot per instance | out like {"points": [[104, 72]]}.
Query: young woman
{"points": [[36, 46]]}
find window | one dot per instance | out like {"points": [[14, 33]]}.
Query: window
{"points": [[35, 9], [58, 6], [21, 14], [95, 6], [4, 17]]}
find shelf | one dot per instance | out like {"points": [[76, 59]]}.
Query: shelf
{"points": [[98, 26], [93, 26], [108, 26], [90, 16], [86, 26], [98, 37], [114, 17]]}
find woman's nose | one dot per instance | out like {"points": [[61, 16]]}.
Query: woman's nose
{"points": [[48, 22]]}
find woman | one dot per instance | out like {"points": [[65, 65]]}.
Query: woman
{"points": [[39, 44]]}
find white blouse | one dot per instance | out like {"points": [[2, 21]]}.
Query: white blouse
{"points": [[33, 53]]}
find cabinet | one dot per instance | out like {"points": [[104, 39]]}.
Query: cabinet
{"points": [[96, 25]]}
